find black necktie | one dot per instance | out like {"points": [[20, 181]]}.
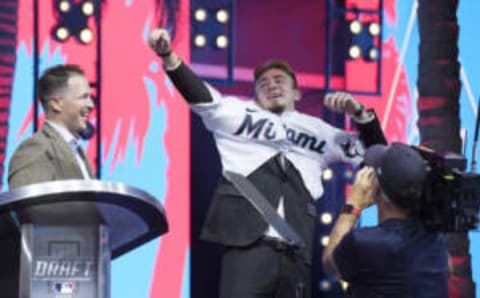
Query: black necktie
{"points": [[82, 155]]}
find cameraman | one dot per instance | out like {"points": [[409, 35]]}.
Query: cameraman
{"points": [[397, 258]]}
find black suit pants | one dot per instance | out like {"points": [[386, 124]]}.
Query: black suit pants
{"points": [[263, 270]]}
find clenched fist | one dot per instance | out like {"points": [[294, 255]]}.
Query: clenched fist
{"points": [[342, 102], [159, 41]]}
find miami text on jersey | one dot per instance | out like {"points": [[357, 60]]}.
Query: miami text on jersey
{"points": [[263, 127]]}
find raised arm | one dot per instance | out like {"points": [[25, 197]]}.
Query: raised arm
{"points": [[366, 120], [360, 197], [192, 88]]}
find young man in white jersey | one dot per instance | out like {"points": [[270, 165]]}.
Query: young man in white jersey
{"points": [[283, 153]]}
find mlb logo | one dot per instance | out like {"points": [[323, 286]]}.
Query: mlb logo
{"points": [[64, 287]]}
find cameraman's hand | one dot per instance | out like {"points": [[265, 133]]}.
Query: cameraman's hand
{"points": [[361, 192]]}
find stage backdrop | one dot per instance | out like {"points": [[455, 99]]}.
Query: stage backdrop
{"points": [[145, 124]]}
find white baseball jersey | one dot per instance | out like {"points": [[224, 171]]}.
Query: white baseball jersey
{"points": [[247, 136]]}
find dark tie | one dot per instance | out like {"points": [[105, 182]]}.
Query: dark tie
{"points": [[83, 156]]}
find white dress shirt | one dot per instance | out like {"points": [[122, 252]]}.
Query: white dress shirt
{"points": [[74, 144]]}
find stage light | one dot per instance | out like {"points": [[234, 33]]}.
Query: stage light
{"points": [[373, 54], [72, 20], [325, 285], [327, 174], [200, 40], [222, 16], [326, 218], [88, 8], [325, 240], [348, 174], [344, 285], [374, 28], [355, 27], [221, 42], [86, 35], [211, 24], [62, 33], [354, 52], [64, 6], [200, 15]]}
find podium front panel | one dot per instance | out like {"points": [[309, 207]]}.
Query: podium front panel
{"points": [[64, 261], [65, 247]]}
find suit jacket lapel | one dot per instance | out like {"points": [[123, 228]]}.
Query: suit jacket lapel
{"points": [[65, 158]]}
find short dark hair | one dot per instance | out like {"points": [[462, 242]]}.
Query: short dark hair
{"points": [[55, 79], [275, 64]]}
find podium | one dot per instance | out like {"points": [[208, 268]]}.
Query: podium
{"points": [[70, 230]]}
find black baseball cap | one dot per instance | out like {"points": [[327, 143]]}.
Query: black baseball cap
{"points": [[401, 172]]}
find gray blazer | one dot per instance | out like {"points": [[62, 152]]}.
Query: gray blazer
{"points": [[45, 156]]}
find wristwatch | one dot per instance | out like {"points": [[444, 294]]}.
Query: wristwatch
{"points": [[350, 209], [359, 110]]}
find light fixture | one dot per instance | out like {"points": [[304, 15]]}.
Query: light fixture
{"points": [[86, 35], [200, 40], [355, 27], [373, 54], [64, 6], [88, 8], [325, 285], [221, 41], [326, 218], [212, 29], [354, 52], [374, 28], [348, 174], [62, 33], [222, 16], [72, 20], [200, 15], [327, 174], [325, 240]]}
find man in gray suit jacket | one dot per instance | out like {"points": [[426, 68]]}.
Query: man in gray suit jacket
{"points": [[53, 153], [47, 156]]}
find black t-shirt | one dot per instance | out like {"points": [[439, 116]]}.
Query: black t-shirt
{"points": [[397, 258]]}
